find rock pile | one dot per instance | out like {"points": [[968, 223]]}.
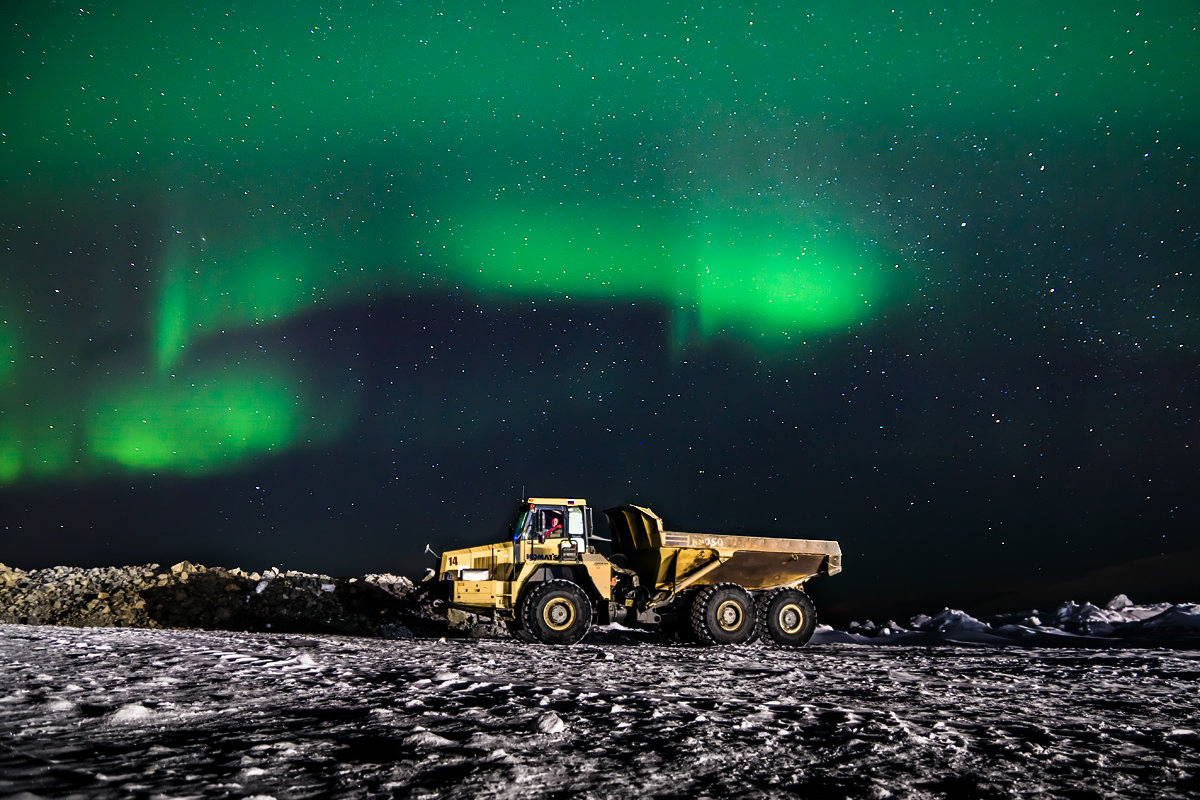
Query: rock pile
{"points": [[191, 595]]}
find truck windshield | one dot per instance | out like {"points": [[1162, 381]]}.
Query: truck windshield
{"points": [[521, 525]]}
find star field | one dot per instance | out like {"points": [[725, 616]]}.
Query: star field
{"points": [[323, 285]]}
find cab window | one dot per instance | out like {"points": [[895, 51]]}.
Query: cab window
{"points": [[575, 528], [550, 522]]}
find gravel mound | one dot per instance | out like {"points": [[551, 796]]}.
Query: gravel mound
{"points": [[188, 595]]}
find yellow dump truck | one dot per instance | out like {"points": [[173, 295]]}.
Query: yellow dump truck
{"points": [[547, 582]]}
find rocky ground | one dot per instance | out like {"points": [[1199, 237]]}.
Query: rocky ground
{"points": [[256, 699], [189, 595]]}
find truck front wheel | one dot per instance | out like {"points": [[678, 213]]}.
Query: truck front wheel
{"points": [[557, 612], [788, 617], [724, 614]]}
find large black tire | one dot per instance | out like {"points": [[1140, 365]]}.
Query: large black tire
{"points": [[787, 616], [724, 614], [556, 612]]}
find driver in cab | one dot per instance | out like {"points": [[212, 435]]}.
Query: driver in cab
{"points": [[553, 525]]}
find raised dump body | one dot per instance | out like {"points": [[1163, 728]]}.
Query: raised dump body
{"points": [[669, 562]]}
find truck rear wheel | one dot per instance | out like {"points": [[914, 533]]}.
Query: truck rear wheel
{"points": [[788, 617], [557, 612], [724, 614]]}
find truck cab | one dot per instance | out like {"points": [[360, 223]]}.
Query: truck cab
{"points": [[543, 519], [546, 577]]}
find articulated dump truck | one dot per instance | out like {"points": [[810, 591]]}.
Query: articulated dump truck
{"points": [[548, 583]]}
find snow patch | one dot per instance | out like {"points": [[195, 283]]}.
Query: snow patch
{"points": [[133, 713], [550, 723], [426, 740]]}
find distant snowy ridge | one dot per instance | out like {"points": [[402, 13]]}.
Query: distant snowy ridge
{"points": [[1120, 622], [188, 595]]}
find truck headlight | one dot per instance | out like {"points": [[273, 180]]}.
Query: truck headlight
{"points": [[473, 575]]}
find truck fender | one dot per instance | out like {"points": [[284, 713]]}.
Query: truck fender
{"points": [[553, 572]]}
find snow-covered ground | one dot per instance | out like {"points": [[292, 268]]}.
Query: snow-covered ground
{"points": [[107, 712]]}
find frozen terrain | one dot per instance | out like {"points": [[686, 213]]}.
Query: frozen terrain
{"points": [[107, 712], [1119, 623]]}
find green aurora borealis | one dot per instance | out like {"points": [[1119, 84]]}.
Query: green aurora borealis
{"points": [[537, 112], [195, 192]]}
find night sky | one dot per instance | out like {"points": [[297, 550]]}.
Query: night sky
{"points": [[313, 285]]}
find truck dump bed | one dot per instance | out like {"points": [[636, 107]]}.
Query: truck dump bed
{"points": [[673, 560]]}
